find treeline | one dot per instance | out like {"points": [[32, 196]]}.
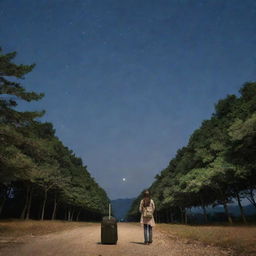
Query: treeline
{"points": [[217, 167], [39, 177]]}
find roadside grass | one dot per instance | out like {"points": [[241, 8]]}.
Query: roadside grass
{"points": [[17, 228], [242, 239]]}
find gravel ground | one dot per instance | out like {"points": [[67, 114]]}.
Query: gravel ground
{"points": [[86, 241]]}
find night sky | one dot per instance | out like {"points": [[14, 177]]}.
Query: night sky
{"points": [[126, 82]]}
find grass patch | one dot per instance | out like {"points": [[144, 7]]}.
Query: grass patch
{"points": [[17, 228], [242, 239]]}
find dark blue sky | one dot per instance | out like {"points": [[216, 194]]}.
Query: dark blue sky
{"points": [[128, 81]]}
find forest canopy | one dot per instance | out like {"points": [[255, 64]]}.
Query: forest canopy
{"points": [[216, 167]]}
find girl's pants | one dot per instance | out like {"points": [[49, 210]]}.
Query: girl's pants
{"points": [[148, 233]]}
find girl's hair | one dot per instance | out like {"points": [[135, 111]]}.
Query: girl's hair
{"points": [[146, 199]]}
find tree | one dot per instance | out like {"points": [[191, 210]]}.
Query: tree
{"points": [[218, 164], [34, 163], [11, 91]]}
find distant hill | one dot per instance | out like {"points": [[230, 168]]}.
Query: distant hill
{"points": [[121, 207], [233, 209]]}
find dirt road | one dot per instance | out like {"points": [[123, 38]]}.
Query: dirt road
{"points": [[85, 241]]}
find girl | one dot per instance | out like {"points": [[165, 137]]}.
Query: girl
{"points": [[147, 208]]}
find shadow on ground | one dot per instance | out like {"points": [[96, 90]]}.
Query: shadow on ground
{"points": [[137, 243]]}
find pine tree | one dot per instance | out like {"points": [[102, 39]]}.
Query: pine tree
{"points": [[11, 91], [12, 121]]}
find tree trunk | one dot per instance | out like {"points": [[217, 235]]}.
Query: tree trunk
{"points": [[72, 215], [54, 207], [2, 205], [171, 217], [181, 215], [241, 208], [185, 216], [204, 209], [4, 192], [205, 214], [77, 216], [251, 197], [167, 216], [159, 217], [227, 213], [65, 217], [69, 214], [29, 202], [22, 216], [44, 203], [156, 215]]}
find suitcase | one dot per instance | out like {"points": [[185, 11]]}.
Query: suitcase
{"points": [[109, 230]]}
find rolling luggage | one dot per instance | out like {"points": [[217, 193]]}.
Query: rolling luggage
{"points": [[109, 230]]}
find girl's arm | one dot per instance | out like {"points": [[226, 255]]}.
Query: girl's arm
{"points": [[153, 205], [141, 205]]}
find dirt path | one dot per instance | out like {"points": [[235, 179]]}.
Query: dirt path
{"points": [[85, 241]]}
